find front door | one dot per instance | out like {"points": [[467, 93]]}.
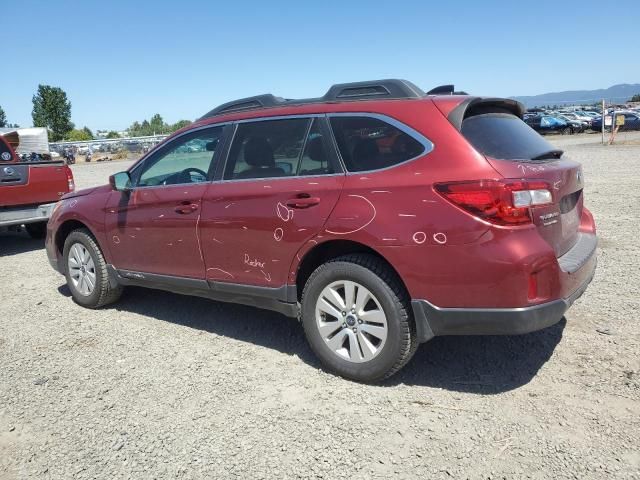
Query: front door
{"points": [[280, 185], [153, 228]]}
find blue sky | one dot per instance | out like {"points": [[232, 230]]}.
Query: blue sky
{"points": [[121, 61]]}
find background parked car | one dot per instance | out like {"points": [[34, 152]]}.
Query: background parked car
{"points": [[547, 124], [576, 126], [576, 116], [631, 122]]}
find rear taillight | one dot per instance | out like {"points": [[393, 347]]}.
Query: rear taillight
{"points": [[503, 202], [70, 182]]}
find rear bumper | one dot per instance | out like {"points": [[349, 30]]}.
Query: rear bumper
{"points": [[434, 321], [22, 215]]}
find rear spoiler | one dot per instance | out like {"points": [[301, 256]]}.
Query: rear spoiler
{"points": [[478, 105]]}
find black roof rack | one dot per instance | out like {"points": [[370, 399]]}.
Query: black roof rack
{"points": [[368, 90]]}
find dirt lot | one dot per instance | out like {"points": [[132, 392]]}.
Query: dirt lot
{"points": [[163, 386]]}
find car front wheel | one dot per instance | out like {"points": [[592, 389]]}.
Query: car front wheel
{"points": [[86, 271], [357, 318]]}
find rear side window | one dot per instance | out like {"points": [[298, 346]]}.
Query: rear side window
{"points": [[368, 143], [279, 148], [6, 155], [268, 148], [504, 136]]}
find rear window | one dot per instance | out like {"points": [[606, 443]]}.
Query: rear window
{"points": [[504, 136], [6, 155]]}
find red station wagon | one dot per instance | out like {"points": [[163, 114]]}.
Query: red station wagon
{"points": [[379, 215]]}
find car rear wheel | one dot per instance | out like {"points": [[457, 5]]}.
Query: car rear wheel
{"points": [[357, 318], [36, 230], [86, 271]]}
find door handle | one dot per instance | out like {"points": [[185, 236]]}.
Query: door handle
{"points": [[186, 207], [303, 201]]}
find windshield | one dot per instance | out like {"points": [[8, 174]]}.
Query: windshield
{"points": [[504, 136]]}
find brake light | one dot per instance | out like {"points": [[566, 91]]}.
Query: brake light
{"points": [[70, 182], [502, 202]]}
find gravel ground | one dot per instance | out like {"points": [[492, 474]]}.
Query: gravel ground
{"points": [[165, 386]]}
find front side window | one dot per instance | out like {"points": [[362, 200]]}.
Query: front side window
{"points": [[187, 159], [368, 143]]}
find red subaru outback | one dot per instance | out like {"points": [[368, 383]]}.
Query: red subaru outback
{"points": [[378, 214]]}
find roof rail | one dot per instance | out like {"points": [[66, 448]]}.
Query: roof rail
{"points": [[368, 90], [442, 90], [389, 88], [248, 103]]}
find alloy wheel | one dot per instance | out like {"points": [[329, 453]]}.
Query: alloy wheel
{"points": [[351, 321], [82, 269]]}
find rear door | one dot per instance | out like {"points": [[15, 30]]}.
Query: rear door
{"points": [[153, 228], [517, 152], [280, 185]]}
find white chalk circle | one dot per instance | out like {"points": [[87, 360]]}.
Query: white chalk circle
{"points": [[419, 237], [284, 213], [440, 238], [278, 234]]}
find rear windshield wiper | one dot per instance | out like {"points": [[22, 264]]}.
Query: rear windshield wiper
{"points": [[549, 154]]}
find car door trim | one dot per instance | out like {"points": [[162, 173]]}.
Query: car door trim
{"points": [[281, 299]]}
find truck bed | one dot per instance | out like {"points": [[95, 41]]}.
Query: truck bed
{"points": [[32, 183]]}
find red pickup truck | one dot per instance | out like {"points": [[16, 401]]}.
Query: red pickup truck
{"points": [[29, 190]]}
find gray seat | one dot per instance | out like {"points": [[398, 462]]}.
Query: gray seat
{"points": [[315, 151], [365, 155], [258, 154]]}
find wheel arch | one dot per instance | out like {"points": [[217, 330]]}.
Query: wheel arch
{"points": [[66, 228], [323, 252]]}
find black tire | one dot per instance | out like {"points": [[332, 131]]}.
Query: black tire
{"points": [[372, 273], [103, 293], [36, 230]]}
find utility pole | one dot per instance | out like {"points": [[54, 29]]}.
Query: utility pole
{"points": [[603, 121]]}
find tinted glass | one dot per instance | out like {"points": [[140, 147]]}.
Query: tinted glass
{"points": [[187, 159], [269, 148], [6, 155], [315, 158], [367, 143], [504, 136]]}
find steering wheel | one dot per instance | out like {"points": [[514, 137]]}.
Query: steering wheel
{"points": [[184, 176], [187, 172]]}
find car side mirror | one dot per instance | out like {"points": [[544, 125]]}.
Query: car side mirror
{"points": [[120, 182]]}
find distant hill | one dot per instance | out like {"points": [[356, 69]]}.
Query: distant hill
{"points": [[617, 93]]}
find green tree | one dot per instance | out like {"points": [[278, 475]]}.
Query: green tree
{"points": [[52, 109], [77, 135], [3, 118], [179, 124], [113, 134], [88, 132], [635, 98], [157, 124]]}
